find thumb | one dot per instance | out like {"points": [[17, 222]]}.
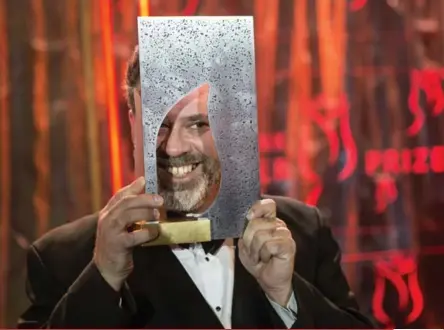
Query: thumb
{"points": [[241, 247], [134, 188]]}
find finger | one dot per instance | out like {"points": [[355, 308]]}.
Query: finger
{"points": [[282, 232], [123, 213], [280, 223], [277, 247], [268, 250], [259, 239], [145, 201], [130, 216], [148, 233], [241, 247], [135, 188], [139, 201], [255, 225], [243, 254], [265, 208]]}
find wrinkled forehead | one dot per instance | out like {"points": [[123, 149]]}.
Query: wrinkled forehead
{"points": [[193, 104]]}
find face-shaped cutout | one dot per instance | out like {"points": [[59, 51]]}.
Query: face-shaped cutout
{"points": [[188, 166]]}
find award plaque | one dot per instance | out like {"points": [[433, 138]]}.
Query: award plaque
{"points": [[177, 56]]}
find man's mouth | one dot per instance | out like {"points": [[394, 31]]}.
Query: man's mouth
{"points": [[181, 171]]}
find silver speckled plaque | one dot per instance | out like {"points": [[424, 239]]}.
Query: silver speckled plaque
{"points": [[179, 54]]}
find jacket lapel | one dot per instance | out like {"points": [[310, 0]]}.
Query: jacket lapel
{"points": [[165, 295], [251, 308]]}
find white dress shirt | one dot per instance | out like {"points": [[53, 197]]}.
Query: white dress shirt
{"points": [[213, 275]]}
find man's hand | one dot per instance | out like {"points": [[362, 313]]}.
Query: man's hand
{"points": [[267, 251], [114, 244]]}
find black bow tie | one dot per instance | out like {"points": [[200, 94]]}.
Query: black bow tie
{"points": [[209, 247]]}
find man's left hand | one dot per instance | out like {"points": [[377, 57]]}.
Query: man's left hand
{"points": [[267, 251]]}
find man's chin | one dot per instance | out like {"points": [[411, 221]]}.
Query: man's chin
{"points": [[182, 201], [191, 198]]}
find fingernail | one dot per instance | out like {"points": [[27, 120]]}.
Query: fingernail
{"points": [[250, 215], [158, 199], [156, 214]]}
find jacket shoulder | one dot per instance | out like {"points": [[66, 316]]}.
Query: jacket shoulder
{"points": [[68, 235], [67, 249]]}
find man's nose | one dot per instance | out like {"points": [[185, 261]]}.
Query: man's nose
{"points": [[175, 144]]}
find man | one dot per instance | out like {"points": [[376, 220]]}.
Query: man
{"points": [[283, 273]]}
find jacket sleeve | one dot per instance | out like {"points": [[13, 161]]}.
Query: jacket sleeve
{"points": [[88, 303], [329, 303]]}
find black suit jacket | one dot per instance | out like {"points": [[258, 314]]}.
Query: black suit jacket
{"points": [[67, 291]]}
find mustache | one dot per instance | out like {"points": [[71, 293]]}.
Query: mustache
{"points": [[187, 159]]}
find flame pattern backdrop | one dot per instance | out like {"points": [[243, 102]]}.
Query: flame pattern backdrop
{"points": [[350, 112]]}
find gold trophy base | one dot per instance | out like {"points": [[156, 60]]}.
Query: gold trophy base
{"points": [[178, 231]]}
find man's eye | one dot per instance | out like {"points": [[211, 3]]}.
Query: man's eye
{"points": [[199, 125], [163, 129]]}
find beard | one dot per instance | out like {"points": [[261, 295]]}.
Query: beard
{"points": [[188, 197]]}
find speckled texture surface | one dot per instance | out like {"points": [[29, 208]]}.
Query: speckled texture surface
{"points": [[178, 54]]}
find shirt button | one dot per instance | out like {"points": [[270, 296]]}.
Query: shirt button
{"points": [[218, 308]]}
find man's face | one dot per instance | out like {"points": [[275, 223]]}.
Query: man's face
{"points": [[187, 160]]}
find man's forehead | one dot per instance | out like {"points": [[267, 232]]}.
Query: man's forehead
{"points": [[190, 104]]}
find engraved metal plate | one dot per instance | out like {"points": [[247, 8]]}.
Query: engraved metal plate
{"points": [[178, 232], [179, 54]]}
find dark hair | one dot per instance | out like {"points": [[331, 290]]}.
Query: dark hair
{"points": [[132, 78]]}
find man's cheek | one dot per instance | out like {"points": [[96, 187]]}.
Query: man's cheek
{"points": [[211, 151]]}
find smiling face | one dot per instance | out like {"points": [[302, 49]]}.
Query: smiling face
{"points": [[187, 160]]}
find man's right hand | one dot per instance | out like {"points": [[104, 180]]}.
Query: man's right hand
{"points": [[114, 244]]}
